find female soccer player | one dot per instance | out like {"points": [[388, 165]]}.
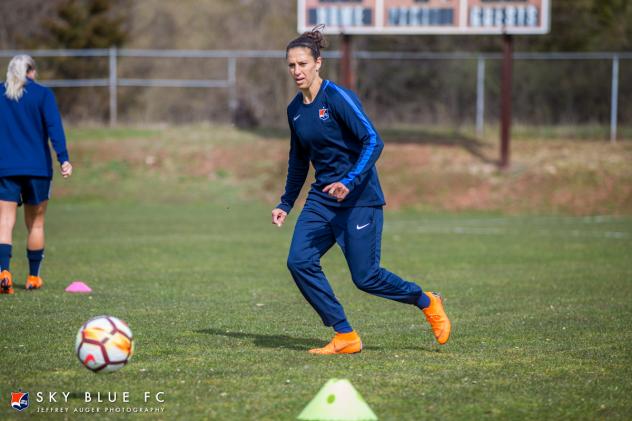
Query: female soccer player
{"points": [[28, 118], [330, 129]]}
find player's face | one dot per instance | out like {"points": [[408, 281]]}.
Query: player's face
{"points": [[302, 66]]}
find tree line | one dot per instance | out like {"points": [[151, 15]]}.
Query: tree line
{"points": [[394, 92]]}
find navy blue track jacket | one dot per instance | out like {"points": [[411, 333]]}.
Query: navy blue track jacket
{"points": [[336, 136], [25, 127]]}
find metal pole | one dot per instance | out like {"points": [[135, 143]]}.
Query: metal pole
{"points": [[614, 98], [480, 97], [505, 103], [346, 65], [112, 85], [232, 82]]}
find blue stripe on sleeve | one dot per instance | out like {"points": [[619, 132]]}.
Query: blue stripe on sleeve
{"points": [[366, 155]]}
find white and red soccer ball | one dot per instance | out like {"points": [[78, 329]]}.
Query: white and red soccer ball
{"points": [[104, 344]]}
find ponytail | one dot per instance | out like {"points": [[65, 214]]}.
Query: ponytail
{"points": [[19, 66]]}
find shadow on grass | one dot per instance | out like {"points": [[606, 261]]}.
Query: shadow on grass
{"points": [[451, 138], [267, 341], [297, 344], [412, 136]]}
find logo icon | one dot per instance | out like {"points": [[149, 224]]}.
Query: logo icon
{"points": [[358, 227], [19, 400], [89, 358], [296, 117], [323, 114]]}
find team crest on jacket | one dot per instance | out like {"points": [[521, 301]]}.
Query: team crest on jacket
{"points": [[19, 400], [323, 113]]}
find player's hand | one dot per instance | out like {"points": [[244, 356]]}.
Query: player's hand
{"points": [[337, 190], [278, 217], [66, 169]]}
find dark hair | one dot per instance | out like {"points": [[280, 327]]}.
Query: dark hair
{"points": [[314, 40]]}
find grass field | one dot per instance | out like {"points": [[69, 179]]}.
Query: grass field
{"points": [[541, 308]]}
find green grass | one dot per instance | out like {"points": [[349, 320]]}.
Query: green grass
{"points": [[181, 247], [576, 132], [519, 132], [79, 134], [541, 307]]}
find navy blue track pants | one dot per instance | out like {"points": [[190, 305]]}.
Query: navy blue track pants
{"points": [[358, 232]]}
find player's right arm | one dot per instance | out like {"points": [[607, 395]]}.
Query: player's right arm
{"points": [[297, 169]]}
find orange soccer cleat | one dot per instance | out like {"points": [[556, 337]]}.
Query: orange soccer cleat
{"points": [[6, 282], [342, 343], [435, 314], [33, 282]]}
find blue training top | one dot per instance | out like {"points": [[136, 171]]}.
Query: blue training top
{"points": [[337, 137], [25, 127]]}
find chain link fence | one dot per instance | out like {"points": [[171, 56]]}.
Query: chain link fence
{"points": [[252, 88]]}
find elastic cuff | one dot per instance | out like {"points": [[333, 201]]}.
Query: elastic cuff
{"points": [[423, 301], [63, 157], [284, 208], [6, 249], [35, 254]]}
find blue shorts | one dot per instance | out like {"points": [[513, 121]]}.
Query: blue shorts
{"points": [[25, 189]]}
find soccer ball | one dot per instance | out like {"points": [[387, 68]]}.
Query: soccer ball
{"points": [[104, 344]]}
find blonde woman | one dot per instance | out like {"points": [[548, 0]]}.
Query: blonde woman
{"points": [[28, 119]]}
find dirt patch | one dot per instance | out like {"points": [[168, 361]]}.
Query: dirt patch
{"points": [[552, 176]]}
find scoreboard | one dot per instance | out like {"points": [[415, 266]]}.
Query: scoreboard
{"points": [[426, 16]]}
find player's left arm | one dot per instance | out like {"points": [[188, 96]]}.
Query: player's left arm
{"points": [[55, 129], [349, 111]]}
